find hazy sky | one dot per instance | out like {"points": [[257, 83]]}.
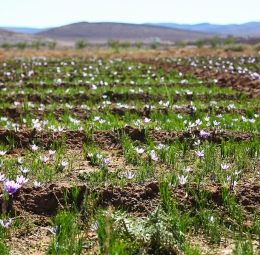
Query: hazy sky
{"points": [[49, 13]]}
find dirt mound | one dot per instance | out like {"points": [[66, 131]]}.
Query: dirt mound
{"points": [[140, 199], [109, 139]]}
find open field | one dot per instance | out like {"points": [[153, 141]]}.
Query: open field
{"points": [[143, 152]]}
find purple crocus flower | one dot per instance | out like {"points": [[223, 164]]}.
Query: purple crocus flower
{"points": [[44, 159], [54, 230], [2, 153], [139, 151], [34, 147], [153, 155], [224, 166], [6, 223], [129, 175], [183, 179], [24, 170], [21, 180], [19, 161], [106, 161], [37, 184], [2, 177], [64, 164], [11, 186], [204, 134], [200, 153]]}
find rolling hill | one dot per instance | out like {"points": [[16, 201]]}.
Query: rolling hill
{"points": [[246, 29], [25, 30], [15, 37], [103, 31]]}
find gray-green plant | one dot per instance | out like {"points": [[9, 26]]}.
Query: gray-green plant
{"points": [[6, 45], [214, 42], [81, 44], [138, 45], [21, 45], [52, 45], [36, 45], [199, 43]]}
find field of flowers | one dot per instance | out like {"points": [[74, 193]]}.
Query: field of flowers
{"points": [[130, 156]]}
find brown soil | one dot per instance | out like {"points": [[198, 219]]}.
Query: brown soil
{"points": [[239, 83], [112, 139], [16, 114], [140, 199]]}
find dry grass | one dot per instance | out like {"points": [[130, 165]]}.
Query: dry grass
{"points": [[135, 54]]}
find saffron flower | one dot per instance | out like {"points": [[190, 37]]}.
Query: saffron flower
{"points": [[11, 186], [37, 184], [139, 151], [183, 179], [34, 147], [200, 153], [160, 146], [61, 129], [99, 156], [6, 223], [62, 165], [54, 230], [146, 120], [204, 134], [197, 143], [198, 122], [129, 175], [2, 177], [19, 161], [44, 159], [2, 153], [51, 152], [21, 180], [106, 160], [215, 123], [153, 155], [24, 170], [224, 166]]}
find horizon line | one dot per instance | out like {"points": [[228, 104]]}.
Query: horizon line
{"points": [[121, 22]]}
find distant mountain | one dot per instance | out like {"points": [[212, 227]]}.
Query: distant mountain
{"points": [[103, 31], [246, 29], [26, 30], [15, 37]]}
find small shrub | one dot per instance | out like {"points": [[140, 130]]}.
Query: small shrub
{"points": [[257, 47], [114, 44], [21, 45], [229, 40], [81, 44], [181, 44], [214, 42], [125, 45], [36, 45], [6, 46], [236, 47], [138, 45], [199, 43], [52, 45], [154, 45]]}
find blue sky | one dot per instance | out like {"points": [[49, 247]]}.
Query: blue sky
{"points": [[50, 13]]}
